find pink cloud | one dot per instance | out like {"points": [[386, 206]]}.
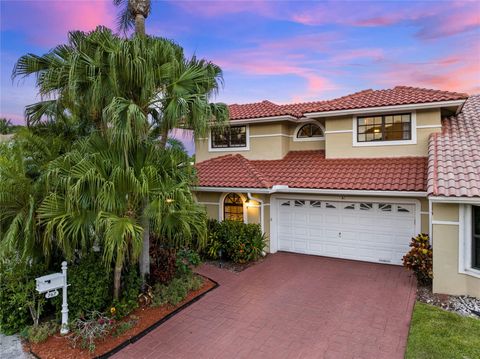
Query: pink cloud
{"points": [[221, 8], [54, 19], [433, 19], [455, 73], [453, 23]]}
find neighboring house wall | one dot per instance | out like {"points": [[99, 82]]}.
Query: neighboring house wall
{"points": [[340, 133], [447, 229], [267, 141]]}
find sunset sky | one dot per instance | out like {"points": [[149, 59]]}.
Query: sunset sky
{"points": [[284, 51]]}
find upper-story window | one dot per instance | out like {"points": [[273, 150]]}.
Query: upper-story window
{"points": [[392, 127], [229, 137], [309, 130]]}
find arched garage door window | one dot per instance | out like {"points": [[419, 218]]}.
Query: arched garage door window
{"points": [[233, 208]]}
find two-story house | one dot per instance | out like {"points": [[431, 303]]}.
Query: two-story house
{"points": [[355, 177]]}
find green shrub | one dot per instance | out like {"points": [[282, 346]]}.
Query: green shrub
{"points": [[90, 286], [123, 327], [131, 288], [239, 242], [20, 304], [187, 259], [40, 333], [176, 291], [420, 259]]}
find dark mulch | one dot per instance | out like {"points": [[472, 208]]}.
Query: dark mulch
{"points": [[233, 267]]}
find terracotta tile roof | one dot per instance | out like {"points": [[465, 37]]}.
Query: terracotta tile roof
{"points": [[229, 171], [454, 154], [399, 95], [310, 169], [256, 110]]}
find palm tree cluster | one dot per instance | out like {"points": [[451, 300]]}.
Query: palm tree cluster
{"points": [[105, 174]]}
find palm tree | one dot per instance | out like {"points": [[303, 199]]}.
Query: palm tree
{"points": [[129, 90], [22, 164], [95, 193], [6, 126], [133, 13]]}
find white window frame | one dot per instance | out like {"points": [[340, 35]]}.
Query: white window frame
{"points": [[411, 141], [230, 149], [221, 206], [465, 240], [308, 139]]}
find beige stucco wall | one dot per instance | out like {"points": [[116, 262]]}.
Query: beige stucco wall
{"points": [[268, 141], [340, 144], [445, 239]]}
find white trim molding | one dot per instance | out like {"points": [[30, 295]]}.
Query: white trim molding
{"points": [[429, 126], [338, 131], [411, 141], [370, 110], [263, 119], [286, 189], [448, 223], [208, 203], [467, 200], [230, 149], [308, 139], [271, 135], [465, 237]]}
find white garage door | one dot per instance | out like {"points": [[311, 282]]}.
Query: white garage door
{"points": [[367, 231]]}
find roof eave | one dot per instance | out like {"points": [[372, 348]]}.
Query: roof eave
{"points": [[286, 189], [265, 119], [369, 110]]}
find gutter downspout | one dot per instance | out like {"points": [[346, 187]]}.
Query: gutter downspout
{"points": [[250, 197], [430, 218]]}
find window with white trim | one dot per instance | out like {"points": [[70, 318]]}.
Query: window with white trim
{"points": [[233, 208], [475, 237], [310, 130], [229, 137], [391, 127]]}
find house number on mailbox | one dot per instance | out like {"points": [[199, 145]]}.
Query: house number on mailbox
{"points": [[51, 294]]}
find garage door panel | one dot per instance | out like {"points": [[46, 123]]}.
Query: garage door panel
{"points": [[377, 232]]}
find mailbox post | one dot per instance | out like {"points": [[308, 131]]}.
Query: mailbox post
{"points": [[64, 328], [50, 284]]}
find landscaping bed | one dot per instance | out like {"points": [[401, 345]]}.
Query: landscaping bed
{"points": [[145, 319], [234, 267], [463, 305], [439, 334]]}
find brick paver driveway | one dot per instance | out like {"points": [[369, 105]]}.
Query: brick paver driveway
{"points": [[291, 306]]}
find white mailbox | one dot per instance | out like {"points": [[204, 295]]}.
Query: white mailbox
{"points": [[49, 282]]}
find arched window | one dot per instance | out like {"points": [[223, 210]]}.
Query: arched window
{"points": [[309, 130], [233, 207]]}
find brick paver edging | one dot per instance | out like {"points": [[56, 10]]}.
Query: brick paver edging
{"points": [[152, 327]]}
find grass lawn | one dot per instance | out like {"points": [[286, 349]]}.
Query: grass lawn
{"points": [[438, 334]]}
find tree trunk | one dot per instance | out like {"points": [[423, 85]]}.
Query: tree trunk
{"points": [[164, 139], [144, 262], [139, 24], [117, 278]]}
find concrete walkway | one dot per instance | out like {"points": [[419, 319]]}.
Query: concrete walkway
{"points": [[11, 348], [291, 306]]}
